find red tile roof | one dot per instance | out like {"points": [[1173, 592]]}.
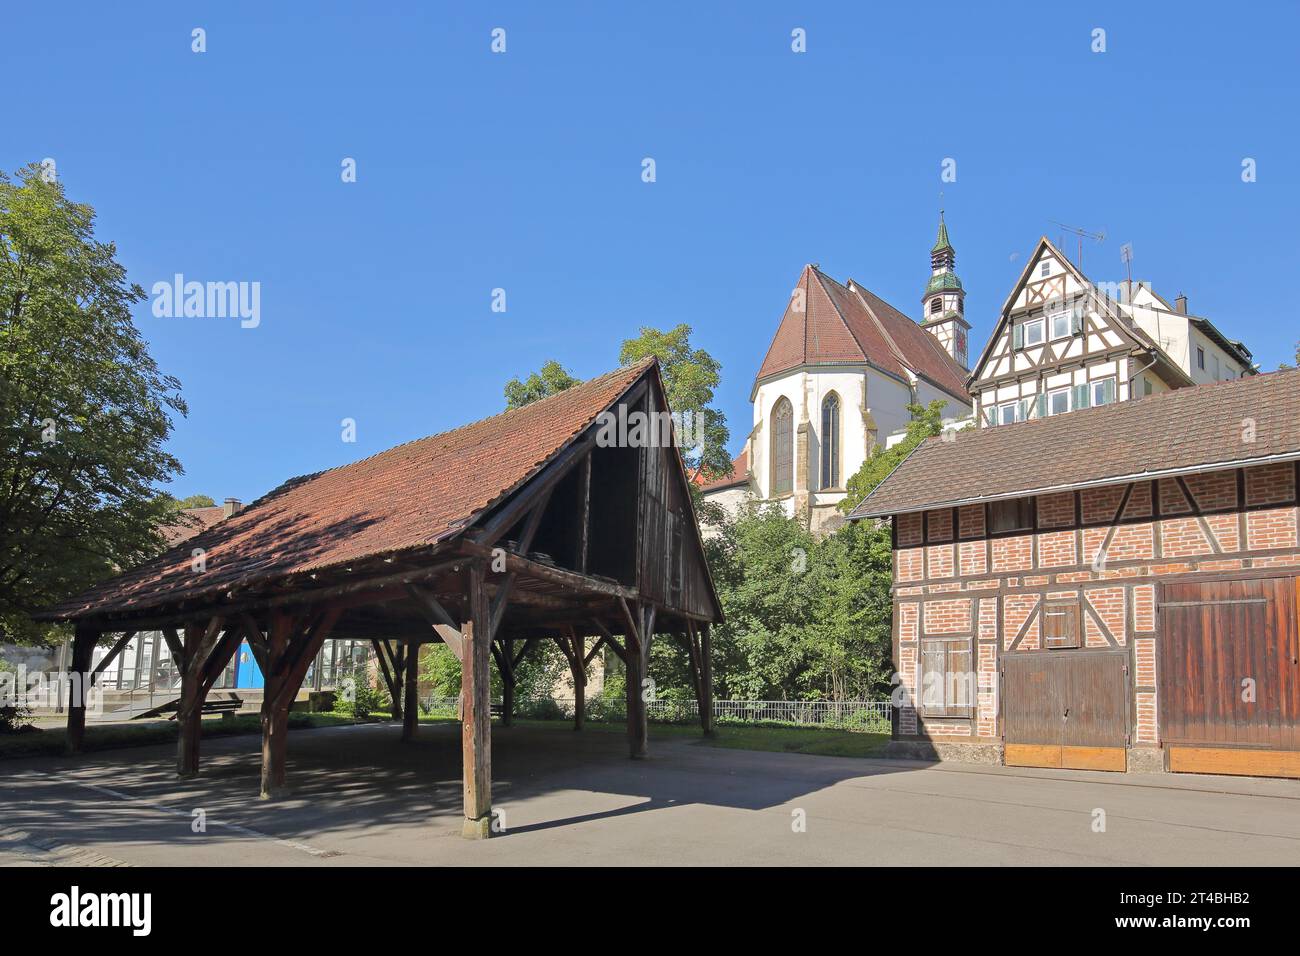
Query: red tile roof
{"points": [[190, 522], [1186, 429], [840, 325], [739, 475], [409, 497]]}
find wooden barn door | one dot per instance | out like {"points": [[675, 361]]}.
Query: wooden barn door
{"points": [[1067, 709], [1229, 677]]}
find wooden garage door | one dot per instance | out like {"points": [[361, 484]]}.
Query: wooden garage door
{"points": [[1066, 709], [1229, 676]]}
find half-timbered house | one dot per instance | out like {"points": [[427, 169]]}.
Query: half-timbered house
{"points": [[1063, 342], [1125, 598]]}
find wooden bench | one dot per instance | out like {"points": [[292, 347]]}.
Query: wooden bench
{"points": [[225, 706]]}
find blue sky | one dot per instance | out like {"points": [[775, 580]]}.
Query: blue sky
{"points": [[523, 171]]}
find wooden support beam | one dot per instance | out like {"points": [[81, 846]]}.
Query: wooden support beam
{"points": [[274, 733], [523, 651], [439, 619], [504, 654], [390, 665], [200, 642], [584, 515], [635, 664], [175, 646], [410, 669], [116, 649], [476, 710], [608, 640], [543, 483], [294, 644], [571, 580], [83, 650], [573, 648], [706, 679]]}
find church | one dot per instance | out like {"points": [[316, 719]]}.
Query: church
{"points": [[837, 379]]}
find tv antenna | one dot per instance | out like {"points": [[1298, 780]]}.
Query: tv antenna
{"points": [[1082, 234]]}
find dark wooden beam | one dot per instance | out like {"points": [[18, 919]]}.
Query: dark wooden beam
{"points": [[584, 515], [540, 484], [577, 671], [411, 671], [392, 673], [84, 640], [441, 621], [116, 649], [199, 643], [572, 580], [706, 679], [476, 711]]}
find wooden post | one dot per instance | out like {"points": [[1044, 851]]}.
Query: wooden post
{"points": [[83, 649], [274, 729], [476, 709], [578, 668], [200, 643], [507, 663], [706, 680], [637, 653], [411, 672], [293, 645]]}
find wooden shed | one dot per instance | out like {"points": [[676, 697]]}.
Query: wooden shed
{"points": [[553, 522]]}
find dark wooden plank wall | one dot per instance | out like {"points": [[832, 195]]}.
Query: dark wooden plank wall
{"points": [[1214, 634]]}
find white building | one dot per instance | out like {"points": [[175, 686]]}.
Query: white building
{"points": [[1063, 342], [841, 370]]}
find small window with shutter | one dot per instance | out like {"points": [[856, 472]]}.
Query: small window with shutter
{"points": [[948, 684], [1014, 515], [1061, 624]]}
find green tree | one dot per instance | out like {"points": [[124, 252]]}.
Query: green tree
{"points": [[84, 410], [690, 376], [196, 501], [927, 421], [549, 380]]}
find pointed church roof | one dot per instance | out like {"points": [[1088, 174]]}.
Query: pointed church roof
{"points": [[826, 323], [941, 242]]}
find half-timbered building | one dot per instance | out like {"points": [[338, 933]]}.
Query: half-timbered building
{"points": [[1063, 342], [1125, 598], [568, 520]]}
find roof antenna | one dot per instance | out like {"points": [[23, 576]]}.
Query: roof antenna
{"points": [[1082, 235]]}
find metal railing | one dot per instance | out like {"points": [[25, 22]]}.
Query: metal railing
{"points": [[864, 715]]}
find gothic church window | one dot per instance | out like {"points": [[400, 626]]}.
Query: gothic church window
{"points": [[782, 448], [831, 441]]}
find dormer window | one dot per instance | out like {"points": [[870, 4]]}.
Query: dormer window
{"points": [[936, 304]]}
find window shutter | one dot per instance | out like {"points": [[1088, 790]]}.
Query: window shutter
{"points": [[1109, 389], [1076, 323], [961, 692], [1025, 405], [991, 415], [932, 677], [1042, 405], [1017, 336], [1080, 396]]}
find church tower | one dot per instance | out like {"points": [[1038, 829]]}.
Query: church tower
{"points": [[944, 301]]}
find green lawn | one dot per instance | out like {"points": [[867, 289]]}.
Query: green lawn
{"points": [[776, 738], [45, 742]]}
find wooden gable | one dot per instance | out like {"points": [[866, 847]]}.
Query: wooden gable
{"points": [[1050, 287]]}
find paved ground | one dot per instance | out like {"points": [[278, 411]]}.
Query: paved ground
{"points": [[362, 797]]}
